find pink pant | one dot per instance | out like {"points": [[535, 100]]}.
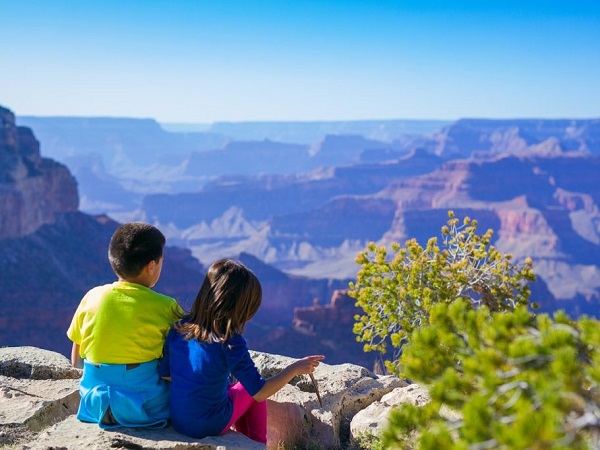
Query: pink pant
{"points": [[249, 416]]}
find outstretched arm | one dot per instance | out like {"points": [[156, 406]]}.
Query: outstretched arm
{"points": [[275, 383]]}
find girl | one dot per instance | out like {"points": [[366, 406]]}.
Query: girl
{"points": [[206, 347]]}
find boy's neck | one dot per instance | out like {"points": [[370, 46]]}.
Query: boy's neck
{"points": [[137, 280], [148, 276]]}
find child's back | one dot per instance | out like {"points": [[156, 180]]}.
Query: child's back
{"points": [[119, 330], [200, 404], [121, 323], [206, 348]]}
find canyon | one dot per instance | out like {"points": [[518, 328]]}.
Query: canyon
{"points": [[294, 202]]}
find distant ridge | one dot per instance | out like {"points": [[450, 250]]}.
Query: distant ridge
{"points": [[314, 131], [173, 127]]}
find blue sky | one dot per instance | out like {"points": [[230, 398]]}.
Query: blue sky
{"points": [[200, 61]]}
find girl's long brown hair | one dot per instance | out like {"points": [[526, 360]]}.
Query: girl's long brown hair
{"points": [[229, 297]]}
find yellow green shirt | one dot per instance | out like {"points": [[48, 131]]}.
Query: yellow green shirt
{"points": [[122, 323]]}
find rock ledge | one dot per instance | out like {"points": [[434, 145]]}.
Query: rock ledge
{"points": [[39, 396]]}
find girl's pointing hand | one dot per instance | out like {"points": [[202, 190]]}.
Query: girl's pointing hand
{"points": [[307, 364]]}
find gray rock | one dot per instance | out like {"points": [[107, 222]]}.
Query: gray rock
{"points": [[35, 364], [40, 413], [374, 418], [295, 415], [36, 404], [71, 434], [38, 388]]}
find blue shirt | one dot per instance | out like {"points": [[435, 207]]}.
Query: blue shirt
{"points": [[200, 374]]}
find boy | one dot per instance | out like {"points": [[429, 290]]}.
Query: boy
{"points": [[118, 332]]}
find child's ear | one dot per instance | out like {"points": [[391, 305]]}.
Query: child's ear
{"points": [[151, 267]]}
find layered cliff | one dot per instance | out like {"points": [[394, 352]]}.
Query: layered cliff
{"points": [[33, 190], [44, 275], [543, 207], [50, 253], [533, 182]]}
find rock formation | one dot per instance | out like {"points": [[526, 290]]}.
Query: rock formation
{"points": [[51, 254], [541, 203], [544, 208], [33, 190], [340, 310], [39, 399], [322, 328], [45, 274], [467, 136], [313, 224], [282, 292]]}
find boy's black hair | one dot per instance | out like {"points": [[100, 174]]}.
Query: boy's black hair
{"points": [[132, 246]]}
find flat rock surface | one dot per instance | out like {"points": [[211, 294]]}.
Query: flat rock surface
{"points": [[35, 404], [35, 364], [39, 397], [71, 434]]}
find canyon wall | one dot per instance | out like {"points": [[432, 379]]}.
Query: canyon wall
{"points": [[33, 190]]}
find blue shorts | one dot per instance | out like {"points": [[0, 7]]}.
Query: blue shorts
{"points": [[137, 396]]}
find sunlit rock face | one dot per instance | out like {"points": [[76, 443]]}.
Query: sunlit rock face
{"points": [[51, 254], [33, 190]]}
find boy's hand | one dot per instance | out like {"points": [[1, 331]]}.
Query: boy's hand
{"points": [[76, 360]]}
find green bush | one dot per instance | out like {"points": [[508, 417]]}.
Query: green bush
{"points": [[397, 290], [518, 381], [367, 441], [459, 314]]}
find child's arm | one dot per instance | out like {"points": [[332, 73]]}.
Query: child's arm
{"points": [[164, 364], [76, 360], [276, 382]]}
